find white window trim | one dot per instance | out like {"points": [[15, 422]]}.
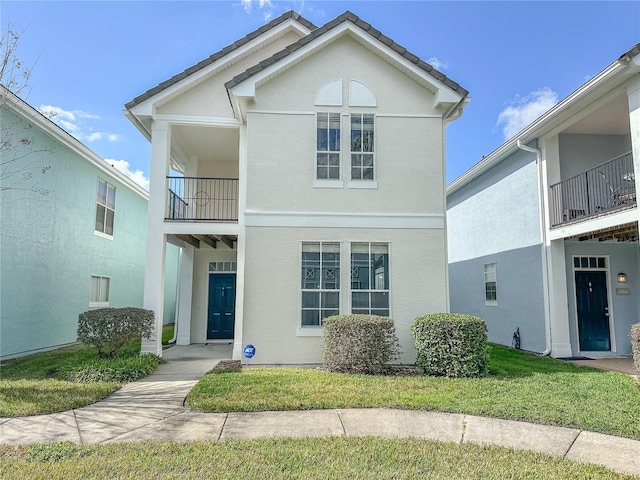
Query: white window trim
{"points": [[368, 184], [99, 304], [388, 289], [490, 303], [326, 183], [100, 233], [329, 182], [308, 330], [373, 183]]}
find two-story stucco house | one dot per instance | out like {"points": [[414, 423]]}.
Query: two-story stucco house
{"points": [[311, 182], [72, 233], [543, 233]]}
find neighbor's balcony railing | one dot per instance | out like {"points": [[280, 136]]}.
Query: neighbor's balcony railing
{"points": [[606, 188], [196, 198]]}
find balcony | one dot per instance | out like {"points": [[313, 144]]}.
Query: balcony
{"points": [[202, 199], [607, 188]]}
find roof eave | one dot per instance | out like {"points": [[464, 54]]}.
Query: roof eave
{"points": [[546, 121]]}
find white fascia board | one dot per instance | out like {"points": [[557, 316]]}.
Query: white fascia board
{"points": [[224, 122], [545, 123], [148, 106], [30, 114], [247, 88], [598, 223], [200, 228]]}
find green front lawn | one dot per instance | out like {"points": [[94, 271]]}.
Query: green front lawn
{"points": [[520, 387], [67, 378], [326, 458]]}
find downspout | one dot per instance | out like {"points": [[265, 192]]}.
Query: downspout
{"points": [[176, 316], [543, 234]]}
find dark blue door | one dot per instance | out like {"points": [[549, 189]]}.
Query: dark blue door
{"points": [[593, 311], [222, 305]]}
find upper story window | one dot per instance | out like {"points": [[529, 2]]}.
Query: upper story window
{"points": [[358, 138], [490, 284], [328, 146], [362, 133], [105, 208]]}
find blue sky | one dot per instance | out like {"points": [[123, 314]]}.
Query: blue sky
{"points": [[517, 59]]}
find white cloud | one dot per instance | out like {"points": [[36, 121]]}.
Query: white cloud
{"points": [[75, 122], [524, 110], [135, 175], [265, 5], [437, 63]]}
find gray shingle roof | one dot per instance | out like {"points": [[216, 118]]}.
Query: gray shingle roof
{"points": [[348, 16], [218, 55]]}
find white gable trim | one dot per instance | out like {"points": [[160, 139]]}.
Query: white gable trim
{"points": [[246, 89], [31, 115], [148, 106]]}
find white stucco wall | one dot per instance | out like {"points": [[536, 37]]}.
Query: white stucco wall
{"points": [[272, 286], [209, 98]]}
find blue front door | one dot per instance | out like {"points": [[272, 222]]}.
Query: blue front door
{"points": [[593, 311], [222, 306]]}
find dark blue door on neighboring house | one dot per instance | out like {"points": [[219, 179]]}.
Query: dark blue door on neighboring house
{"points": [[222, 306], [593, 311]]}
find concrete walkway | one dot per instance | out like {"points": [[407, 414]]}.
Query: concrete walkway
{"points": [[152, 409]]}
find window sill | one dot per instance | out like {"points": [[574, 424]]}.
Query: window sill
{"points": [[491, 303], [328, 183], [309, 332], [98, 304], [98, 233], [370, 184]]}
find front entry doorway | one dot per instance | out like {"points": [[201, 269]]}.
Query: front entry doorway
{"points": [[593, 310], [222, 306]]}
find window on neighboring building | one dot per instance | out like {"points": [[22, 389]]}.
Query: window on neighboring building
{"points": [[320, 282], [362, 161], [99, 296], [490, 284], [370, 278], [105, 208], [328, 146]]}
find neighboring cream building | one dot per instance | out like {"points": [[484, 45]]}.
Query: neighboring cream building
{"points": [[311, 182]]}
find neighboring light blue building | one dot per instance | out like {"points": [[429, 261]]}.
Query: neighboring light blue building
{"points": [[72, 237], [543, 233]]}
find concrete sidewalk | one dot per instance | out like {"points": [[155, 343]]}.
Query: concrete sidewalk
{"points": [[152, 409]]}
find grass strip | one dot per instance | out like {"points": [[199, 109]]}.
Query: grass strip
{"points": [[521, 387], [326, 458]]}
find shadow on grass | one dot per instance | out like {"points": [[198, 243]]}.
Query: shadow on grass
{"points": [[506, 362]]}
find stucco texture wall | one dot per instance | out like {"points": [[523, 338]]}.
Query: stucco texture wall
{"points": [[48, 249], [281, 125], [272, 286]]}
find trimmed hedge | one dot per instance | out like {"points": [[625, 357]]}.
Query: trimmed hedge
{"points": [[635, 347], [109, 329], [359, 343], [451, 345]]}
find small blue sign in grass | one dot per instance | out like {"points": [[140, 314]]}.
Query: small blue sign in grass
{"points": [[249, 351]]}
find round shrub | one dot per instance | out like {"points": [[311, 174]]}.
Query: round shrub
{"points": [[109, 329], [451, 345], [359, 343], [635, 347]]}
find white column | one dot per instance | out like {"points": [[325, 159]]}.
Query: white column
{"points": [[241, 244], [185, 295], [558, 300], [156, 238], [633, 95]]}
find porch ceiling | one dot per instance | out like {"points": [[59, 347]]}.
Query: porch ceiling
{"points": [[610, 119], [620, 233], [210, 240], [208, 143]]}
